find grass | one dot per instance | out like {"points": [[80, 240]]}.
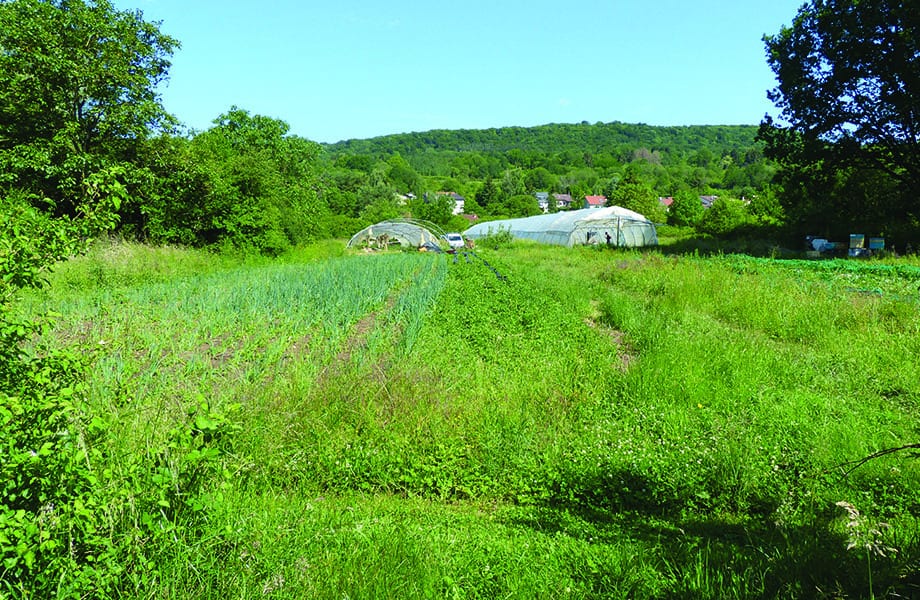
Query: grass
{"points": [[524, 423]]}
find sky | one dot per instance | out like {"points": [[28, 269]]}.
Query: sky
{"points": [[355, 69]]}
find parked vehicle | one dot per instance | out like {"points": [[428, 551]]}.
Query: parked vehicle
{"points": [[454, 240]]}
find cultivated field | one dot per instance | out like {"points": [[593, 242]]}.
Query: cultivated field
{"points": [[530, 422]]}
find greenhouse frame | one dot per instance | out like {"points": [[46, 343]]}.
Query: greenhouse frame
{"points": [[408, 232], [587, 226]]}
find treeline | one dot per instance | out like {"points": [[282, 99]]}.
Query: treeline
{"points": [[247, 183], [81, 122], [615, 139], [573, 157], [499, 170]]}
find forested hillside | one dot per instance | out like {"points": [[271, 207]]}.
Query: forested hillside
{"points": [[499, 170], [617, 139]]}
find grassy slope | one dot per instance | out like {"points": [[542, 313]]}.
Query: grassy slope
{"points": [[572, 423]]}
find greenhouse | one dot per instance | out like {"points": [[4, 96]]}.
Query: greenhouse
{"points": [[614, 225], [407, 232]]}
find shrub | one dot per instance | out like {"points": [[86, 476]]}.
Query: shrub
{"points": [[724, 217], [501, 238]]}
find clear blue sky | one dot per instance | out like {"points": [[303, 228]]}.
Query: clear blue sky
{"points": [[341, 69]]}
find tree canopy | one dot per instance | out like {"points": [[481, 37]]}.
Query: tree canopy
{"points": [[848, 88], [77, 90]]}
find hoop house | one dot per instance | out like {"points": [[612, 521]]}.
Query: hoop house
{"points": [[407, 232], [586, 226]]}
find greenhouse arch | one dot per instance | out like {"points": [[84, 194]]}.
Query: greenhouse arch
{"points": [[407, 232]]}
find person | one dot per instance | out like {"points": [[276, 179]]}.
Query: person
{"points": [[607, 235]]}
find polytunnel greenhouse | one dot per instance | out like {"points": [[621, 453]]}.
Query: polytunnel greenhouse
{"points": [[577, 227], [407, 232]]}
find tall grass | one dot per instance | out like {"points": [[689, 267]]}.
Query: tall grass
{"points": [[525, 422]]}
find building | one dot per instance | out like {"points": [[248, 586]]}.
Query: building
{"points": [[595, 201], [563, 200]]}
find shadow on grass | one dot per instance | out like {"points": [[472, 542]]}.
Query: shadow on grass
{"points": [[706, 554], [709, 246]]}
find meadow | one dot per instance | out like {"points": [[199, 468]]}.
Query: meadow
{"points": [[523, 422]]}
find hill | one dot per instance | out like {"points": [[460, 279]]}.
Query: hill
{"points": [[613, 138]]}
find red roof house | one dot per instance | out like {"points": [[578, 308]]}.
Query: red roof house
{"points": [[595, 201]]}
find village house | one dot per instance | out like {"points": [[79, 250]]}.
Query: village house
{"points": [[459, 201], [563, 200], [595, 201]]}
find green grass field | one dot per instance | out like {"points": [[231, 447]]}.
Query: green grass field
{"points": [[531, 422]]}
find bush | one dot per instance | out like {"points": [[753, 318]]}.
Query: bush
{"points": [[724, 217], [501, 238], [75, 520]]}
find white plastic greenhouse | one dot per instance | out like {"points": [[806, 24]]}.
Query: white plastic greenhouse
{"points": [[577, 227], [408, 232]]}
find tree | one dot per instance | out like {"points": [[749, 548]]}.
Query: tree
{"points": [[686, 208], [539, 179], [633, 193], [488, 196], [724, 217], [471, 206], [244, 183], [512, 183], [521, 205], [77, 91], [766, 210], [403, 177], [849, 87], [437, 208], [380, 209]]}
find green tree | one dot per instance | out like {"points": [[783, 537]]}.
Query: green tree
{"points": [[702, 158], [471, 206], [521, 205], [512, 183], [725, 217], [437, 208], [849, 92], [380, 209], [488, 196], [633, 193], [243, 182], [340, 190], [403, 177], [766, 209], [686, 209], [539, 179], [77, 92]]}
